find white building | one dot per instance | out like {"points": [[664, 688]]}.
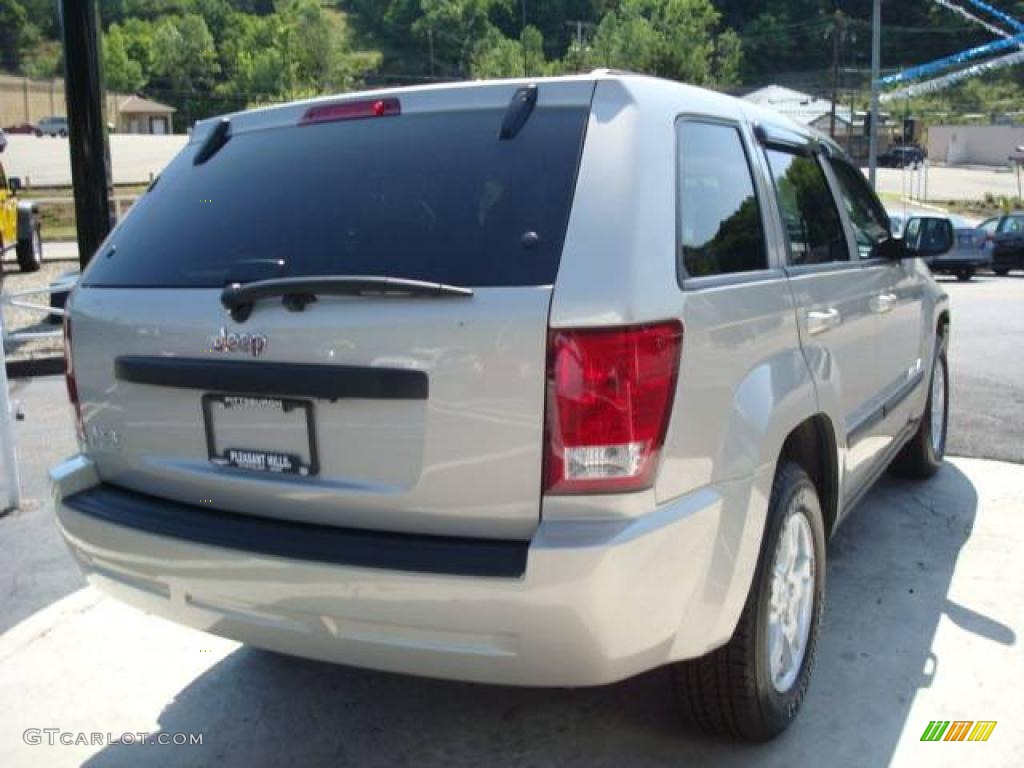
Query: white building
{"points": [[809, 110], [974, 144]]}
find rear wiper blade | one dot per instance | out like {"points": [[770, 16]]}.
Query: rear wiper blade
{"points": [[297, 292]]}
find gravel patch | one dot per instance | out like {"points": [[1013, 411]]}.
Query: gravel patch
{"points": [[17, 319]]}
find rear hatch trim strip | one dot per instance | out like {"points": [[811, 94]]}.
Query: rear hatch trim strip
{"points": [[361, 548], [326, 382]]}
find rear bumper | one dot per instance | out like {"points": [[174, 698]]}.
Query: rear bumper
{"points": [[598, 601], [956, 263]]}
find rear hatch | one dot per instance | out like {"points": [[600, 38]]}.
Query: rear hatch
{"points": [[354, 403]]}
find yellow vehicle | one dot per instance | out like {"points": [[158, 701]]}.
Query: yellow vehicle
{"points": [[19, 225]]}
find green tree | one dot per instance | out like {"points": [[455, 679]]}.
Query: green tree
{"points": [[122, 73], [185, 63], [498, 56], [671, 38], [15, 33], [456, 27]]}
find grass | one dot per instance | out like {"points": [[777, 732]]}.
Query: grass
{"points": [[989, 205], [58, 219]]}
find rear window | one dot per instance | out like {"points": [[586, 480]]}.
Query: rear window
{"points": [[433, 197]]}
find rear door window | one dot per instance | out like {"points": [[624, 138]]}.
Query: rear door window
{"points": [[810, 217], [867, 215], [720, 226], [433, 196], [1012, 225]]}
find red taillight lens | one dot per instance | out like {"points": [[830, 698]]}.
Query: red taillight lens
{"points": [[69, 376], [351, 110], [609, 399]]}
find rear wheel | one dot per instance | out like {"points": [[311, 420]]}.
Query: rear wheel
{"points": [[964, 275], [753, 686], [923, 455], [1002, 271], [30, 250]]}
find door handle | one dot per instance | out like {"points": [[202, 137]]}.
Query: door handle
{"points": [[883, 302], [821, 320]]}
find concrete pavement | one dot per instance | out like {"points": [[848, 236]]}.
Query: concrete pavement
{"points": [[923, 623], [47, 160], [952, 183]]}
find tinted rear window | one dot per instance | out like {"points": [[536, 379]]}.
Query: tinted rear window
{"points": [[424, 196]]}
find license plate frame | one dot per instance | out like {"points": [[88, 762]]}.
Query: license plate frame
{"points": [[258, 460]]}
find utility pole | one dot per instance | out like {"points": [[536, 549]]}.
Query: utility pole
{"points": [[835, 72], [87, 136], [876, 66], [430, 45], [523, 25], [579, 45]]}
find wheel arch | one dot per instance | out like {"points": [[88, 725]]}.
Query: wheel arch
{"points": [[812, 444]]}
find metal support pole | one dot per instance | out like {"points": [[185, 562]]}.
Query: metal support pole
{"points": [[90, 155], [876, 66], [9, 455]]}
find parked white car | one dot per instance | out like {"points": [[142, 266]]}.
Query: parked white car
{"points": [[526, 382]]}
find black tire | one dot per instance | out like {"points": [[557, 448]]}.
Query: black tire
{"points": [[30, 251], [730, 690], [1002, 272], [964, 275], [922, 456]]}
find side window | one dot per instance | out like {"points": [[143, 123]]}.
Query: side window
{"points": [[1012, 225], [720, 227], [809, 214], [867, 215], [989, 226]]}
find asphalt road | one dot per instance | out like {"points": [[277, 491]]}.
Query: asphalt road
{"points": [[950, 183], [987, 367]]}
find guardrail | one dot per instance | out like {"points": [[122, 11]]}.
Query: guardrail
{"points": [[9, 412]]}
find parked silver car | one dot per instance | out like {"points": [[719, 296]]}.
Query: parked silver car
{"points": [[526, 382], [52, 126]]}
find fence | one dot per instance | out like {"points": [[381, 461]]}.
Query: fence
{"points": [[23, 100], [8, 408]]}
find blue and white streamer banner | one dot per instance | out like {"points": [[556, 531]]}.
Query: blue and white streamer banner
{"points": [[951, 6], [939, 83], [934, 67], [1003, 17]]}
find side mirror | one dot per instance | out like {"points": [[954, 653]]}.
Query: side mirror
{"points": [[14, 183], [926, 236]]}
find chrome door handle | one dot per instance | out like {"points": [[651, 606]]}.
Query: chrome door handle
{"points": [[821, 320], [883, 302]]}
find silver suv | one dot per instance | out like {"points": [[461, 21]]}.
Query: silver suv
{"points": [[543, 383]]}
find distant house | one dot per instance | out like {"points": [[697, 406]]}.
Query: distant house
{"points": [[140, 115], [809, 110]]}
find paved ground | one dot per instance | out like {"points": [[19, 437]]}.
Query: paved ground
{"points": [[919, 627], [987, 366], [47, 160], [923, 623], [951, 183]]}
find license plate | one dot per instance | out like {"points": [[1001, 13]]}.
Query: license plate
{"points": [[260, 434]]}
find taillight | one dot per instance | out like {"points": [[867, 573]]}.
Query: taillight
{"points": [[69, 376], [609, 399], [351, 110]]}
